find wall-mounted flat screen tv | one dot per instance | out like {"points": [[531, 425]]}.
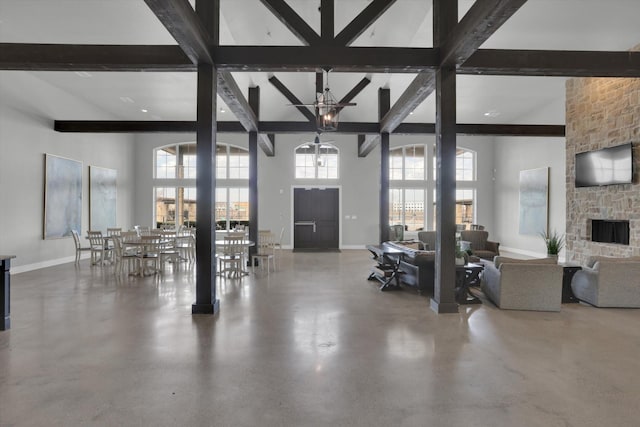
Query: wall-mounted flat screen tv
{"points": [[608, 166]]}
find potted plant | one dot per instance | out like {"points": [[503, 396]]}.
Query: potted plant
{"points": [[461, 258], [554, 242]]}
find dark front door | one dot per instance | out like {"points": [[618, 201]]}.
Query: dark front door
{"points": [[316, 217]]}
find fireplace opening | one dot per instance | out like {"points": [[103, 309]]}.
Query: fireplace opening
{"points": [[610, 231]]}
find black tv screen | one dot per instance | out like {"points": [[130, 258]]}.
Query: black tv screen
{"points": [[608, 166]]}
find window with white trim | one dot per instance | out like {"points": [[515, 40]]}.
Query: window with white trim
{"points": [[316, 161], [175, 192]]}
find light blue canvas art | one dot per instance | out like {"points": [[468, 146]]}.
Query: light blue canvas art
{"points": [[534, 198], [103, 191], [62, 196]]}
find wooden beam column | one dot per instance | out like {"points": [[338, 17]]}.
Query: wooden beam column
{"points": [[254, 103], [206, 301], [384, 104], [445, 15]]}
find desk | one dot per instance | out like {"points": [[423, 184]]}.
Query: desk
{"points": [[387, 267], [5, 292], [467, 275]]}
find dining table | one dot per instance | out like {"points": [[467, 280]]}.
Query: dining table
{"points": [[245, 243]]}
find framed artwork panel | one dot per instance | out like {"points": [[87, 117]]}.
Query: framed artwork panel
{"points": [[62, 196], [103, 191], [534, 201]]}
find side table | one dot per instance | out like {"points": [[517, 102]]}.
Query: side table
{"points": [[467, 275], [568, 271]]}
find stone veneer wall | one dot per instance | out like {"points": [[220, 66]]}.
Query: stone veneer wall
{"points": [[601, 112]]}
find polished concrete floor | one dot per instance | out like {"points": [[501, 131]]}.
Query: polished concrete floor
{"points": [[313, 344]]}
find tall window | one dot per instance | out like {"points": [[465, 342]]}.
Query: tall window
{"points": [[316, 161], [175, 192], [410, 183], [465, 165]]}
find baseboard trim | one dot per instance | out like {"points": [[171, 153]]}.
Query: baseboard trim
{"points": [[44, 264]]}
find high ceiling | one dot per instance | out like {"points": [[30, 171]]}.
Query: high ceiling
{"points": [[539, 24]]}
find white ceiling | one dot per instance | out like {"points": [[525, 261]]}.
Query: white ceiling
{"points": [[539, 24]]}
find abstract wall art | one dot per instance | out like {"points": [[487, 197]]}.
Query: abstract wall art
{"points": [[534, 201], [103, 191], [62, 196]]}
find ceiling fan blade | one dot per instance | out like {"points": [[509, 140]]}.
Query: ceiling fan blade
{"points": [[346, 104]]}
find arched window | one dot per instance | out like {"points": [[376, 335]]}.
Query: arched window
{"points": [[175, 185], [317, 161]]}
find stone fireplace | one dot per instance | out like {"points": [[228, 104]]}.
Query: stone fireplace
{"points": [[602, 112]]}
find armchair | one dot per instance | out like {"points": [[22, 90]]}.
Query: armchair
{"points": [[609, 283], [480, 245], [517, 284]]}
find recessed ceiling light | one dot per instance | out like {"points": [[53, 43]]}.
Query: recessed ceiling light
{"points": [[83, 74], [411, 113], [222, 110], [144, 110], [492, 113]]}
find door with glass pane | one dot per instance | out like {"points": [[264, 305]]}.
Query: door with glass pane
{"points": [[316, 215]]}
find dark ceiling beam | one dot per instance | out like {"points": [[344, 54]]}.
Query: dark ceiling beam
{"points": [[134, 126], [315, 58], [69, 57], [420, 88], [480, 22], [292, 98], [552, 63], [364, 20], [183, 24], [356, 90], [231, 94], [170, 58], [327, 21], [367, 144], [292, 21], [476, 26], [301, 127]]}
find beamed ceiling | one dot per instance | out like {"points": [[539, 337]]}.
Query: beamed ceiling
{"points": [[516, 77]]}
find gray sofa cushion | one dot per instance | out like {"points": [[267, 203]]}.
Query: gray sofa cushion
{"points": [[503, 259]]}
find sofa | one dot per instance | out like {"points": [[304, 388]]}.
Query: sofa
{"points": [[609, 282], [517, 284], [477, 241], [418, 266]]}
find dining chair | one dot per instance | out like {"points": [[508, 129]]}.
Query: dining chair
{"points": [[231, 258], [121, 255], [168, 249], [114, 231], [278, 243], [265, 251], [79, 247], [149, 257], [100, 252], [186, 246]]}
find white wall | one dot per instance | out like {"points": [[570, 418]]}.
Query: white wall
{"points": [[358, 182], [513, 155], [28, 107]]}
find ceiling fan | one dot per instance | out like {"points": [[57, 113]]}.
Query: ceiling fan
{"points": [[326, 108], [317, 140]]}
